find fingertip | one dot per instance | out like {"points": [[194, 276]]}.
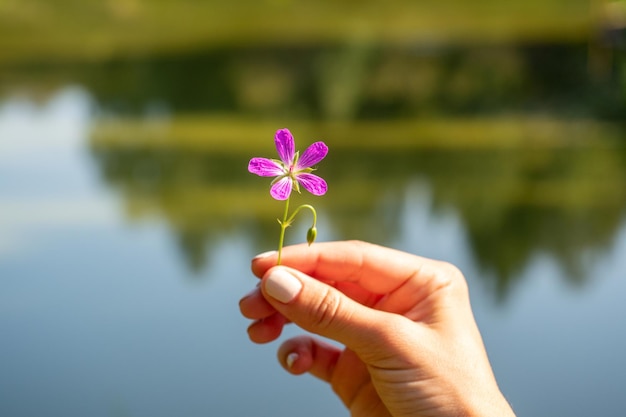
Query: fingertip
{"points": [[263, 255], [305, 354], [254, 306], [297, 361], [262, 262], [249, 296], [267, 329]]}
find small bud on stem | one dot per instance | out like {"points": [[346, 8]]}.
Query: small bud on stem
{"points": [[311, 234]]}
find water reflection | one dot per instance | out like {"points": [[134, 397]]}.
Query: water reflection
{"points": [[45, 180], [515, 138], [514, 203], [95, 305], [348, 80], [99, 318]]}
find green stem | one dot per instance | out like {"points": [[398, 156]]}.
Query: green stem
{"points": [[286, 222], [304, 206], [283, 225]]}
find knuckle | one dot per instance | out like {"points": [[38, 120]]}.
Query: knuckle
{"points": [[452, 277], [451, 271], [326, 310], [359, 245]]}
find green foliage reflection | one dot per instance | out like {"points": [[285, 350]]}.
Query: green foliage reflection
{"points": [[515, 202]]}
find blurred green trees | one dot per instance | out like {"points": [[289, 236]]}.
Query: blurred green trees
{"points": [[512, 112]]}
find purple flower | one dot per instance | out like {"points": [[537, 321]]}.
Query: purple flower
{"points": [[292, 170]]}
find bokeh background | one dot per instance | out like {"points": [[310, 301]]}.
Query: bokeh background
{"points": [[487, 133]]}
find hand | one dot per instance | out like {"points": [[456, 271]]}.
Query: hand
{"points": [[412, 347]]}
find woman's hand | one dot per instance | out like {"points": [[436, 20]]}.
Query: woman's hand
{"points": [[412, 347]]}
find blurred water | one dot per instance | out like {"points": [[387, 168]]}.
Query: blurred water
{"points": [[100, 317], [100, 314]]}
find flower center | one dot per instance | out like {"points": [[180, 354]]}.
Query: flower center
{"points": [[291, 172]]}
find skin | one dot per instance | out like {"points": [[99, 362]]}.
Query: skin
{"points": [[412, 346]]}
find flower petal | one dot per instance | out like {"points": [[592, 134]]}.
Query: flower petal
{"points": [[285, 146], [281, 189], [313, 154], [265, 167], [313, 184]]}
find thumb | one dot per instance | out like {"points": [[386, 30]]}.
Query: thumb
{"points": [[319, 308]]}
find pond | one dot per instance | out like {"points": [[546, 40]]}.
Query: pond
{"points": [[128, 221]]}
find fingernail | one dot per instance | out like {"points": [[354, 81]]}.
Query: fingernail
{"points": [[291, 359], [282, 285], [265, 254]]}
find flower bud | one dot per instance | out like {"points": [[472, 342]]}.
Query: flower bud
{"points": [[311, 234]]}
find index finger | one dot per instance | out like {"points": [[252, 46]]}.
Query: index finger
{"points": [[375, 268]]}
